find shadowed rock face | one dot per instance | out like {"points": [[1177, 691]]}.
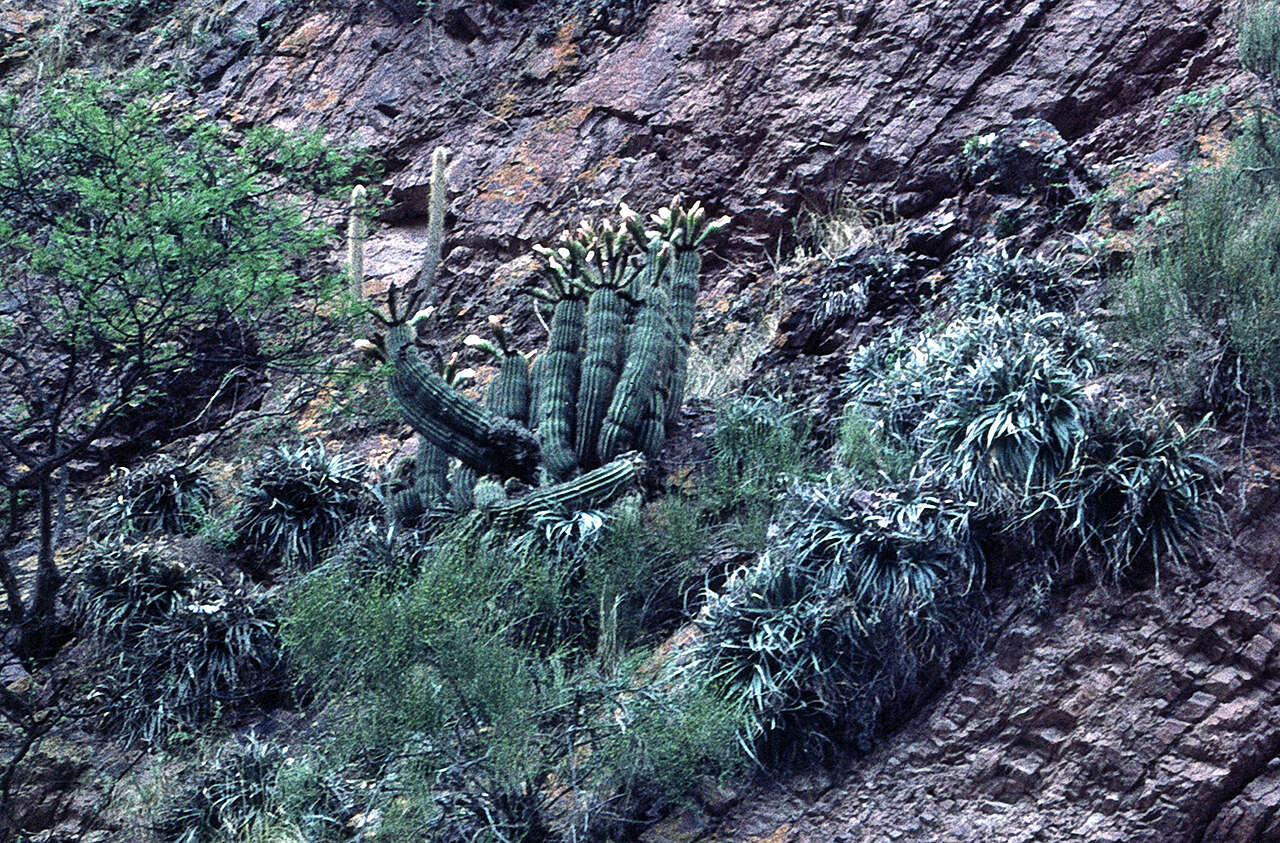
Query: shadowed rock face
{"points": [[755, 107]]}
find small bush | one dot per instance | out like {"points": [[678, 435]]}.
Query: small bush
{"points": [[176, 650], [1007, 427], [896, 381], [1010, 283], [757, 445], [162, 496], [858, 607], [861, 447], [230, 794], [1140, 492], [296, 503]]}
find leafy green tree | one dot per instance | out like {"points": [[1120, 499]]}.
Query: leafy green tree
{"points": [[148, 260]]}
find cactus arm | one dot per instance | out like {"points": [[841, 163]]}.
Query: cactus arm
{"points": [[405, 506], [432, 472], [601, 366], [356, 232], [684, 295], [508, 394], [591, 490], [435, 222], [451, 421], [462, 487], [642, 372], [557, 400]]}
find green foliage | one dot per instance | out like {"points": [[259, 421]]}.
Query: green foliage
{"points": [[1260, 39], [1009, 424], [897, 379], [857, 608], [673, 735], [1214, 278], [176, 650], [861, 448], [1008, 283], [757, 447], [161, 496], [229, 794], [1203, 298], [296, 502], [1139, 493]]}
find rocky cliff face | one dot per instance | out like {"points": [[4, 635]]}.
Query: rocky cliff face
{"points": [[1111, 716], [1140, 716], [756, 107]]}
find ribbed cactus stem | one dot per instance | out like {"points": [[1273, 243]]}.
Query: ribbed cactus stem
{"points": [[405, 507], [684, 296], [646, 358], [601, 366], [451, 421], [592, 490], [462, 488], [432, 472], [557, 400], [356, 233], [535, 390], [653, 426], [508, 393]]}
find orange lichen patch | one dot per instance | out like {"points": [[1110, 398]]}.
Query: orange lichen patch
{"points": [[598, 169], [564, 50], [511, 181], [322, 101], [505, 107], [780, 835], [302, 39]]}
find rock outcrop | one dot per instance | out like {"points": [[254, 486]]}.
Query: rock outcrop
{"points": [[757, 108]]}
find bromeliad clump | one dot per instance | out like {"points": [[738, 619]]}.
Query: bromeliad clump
{"points": [[611, 380]]}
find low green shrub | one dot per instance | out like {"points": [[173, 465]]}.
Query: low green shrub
{"points": [[757, 446], [1203, 298], [1140, 492], [175, 650], [858, 607], [896, 379], [296, 503], [230, 794], [1009, 283], [1007, 426], [161, 496]]}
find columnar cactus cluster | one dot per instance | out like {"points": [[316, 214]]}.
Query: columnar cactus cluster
{"points": [[611, 380]]}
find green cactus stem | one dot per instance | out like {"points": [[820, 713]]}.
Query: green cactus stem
{"points": [[489, 495], [684, 295], [462, 488], [431, 473], [642, 374], [653, 425], [508, 392], [405, 507], [592, 490], [451, 421], [559, 390], [535, 390], [601, 367]]}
